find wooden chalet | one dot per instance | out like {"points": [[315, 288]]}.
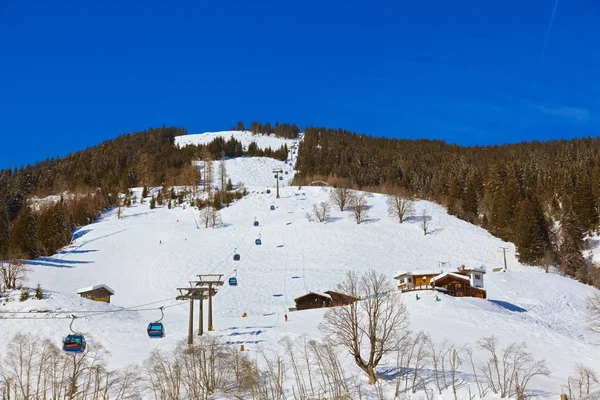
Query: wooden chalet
{"points": [[418, 280], [458, 285], [97, 293], [325, 299], [462, 282]]}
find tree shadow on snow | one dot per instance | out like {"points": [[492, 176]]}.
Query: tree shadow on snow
{"points": [[370, 220], [333, 219], [435, 231], [508, 306], [414, 219], [79, 233], [76, 251], [56, 262]]}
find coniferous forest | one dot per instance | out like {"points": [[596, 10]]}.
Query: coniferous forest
{"points": [[543, 196], [97, 175]]}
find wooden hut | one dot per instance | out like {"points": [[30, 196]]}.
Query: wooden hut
{"points": [[458, 285], [323, 299], [97, 293]]}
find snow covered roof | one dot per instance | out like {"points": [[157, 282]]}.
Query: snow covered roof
{"points": [[90, 288], [416, 273], [479, 270], [440, 276], [317, 293]]}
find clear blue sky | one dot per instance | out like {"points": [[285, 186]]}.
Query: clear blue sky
{"points": [[74, 73]]}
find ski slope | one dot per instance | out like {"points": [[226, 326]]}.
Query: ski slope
{"points": [[147, 254], [244, 137]]}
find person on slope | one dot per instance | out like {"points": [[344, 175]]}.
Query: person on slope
{"points": [[417, 296]]}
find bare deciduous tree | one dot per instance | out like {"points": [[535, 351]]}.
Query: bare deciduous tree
{"points": [[207, 169], [584, 380], [13, 272], [454, 360], [509, 373], [358, 204], [321, 211], [425, 223], [210, 217], [399, 206], [222, 172], [340, 196], [594, 312], [368, 328]]}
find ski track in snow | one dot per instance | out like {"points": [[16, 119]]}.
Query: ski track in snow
{"points": [[546, 311]]}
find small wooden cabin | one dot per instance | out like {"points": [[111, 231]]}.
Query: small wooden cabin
{"points": [[458, 285], [320, 300], [418, 280], [97, 293]]}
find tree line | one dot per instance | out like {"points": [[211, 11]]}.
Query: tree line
{"points": [[543, 196], [283, 130]]}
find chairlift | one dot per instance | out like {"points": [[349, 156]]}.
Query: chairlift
{"points": [[268, 191], [258, 242], [272, 208], [236, 257], [255, 223], [75, 342], [281, 178], [157, 329]]}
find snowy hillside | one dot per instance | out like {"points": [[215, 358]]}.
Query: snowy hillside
{"points": [[147, 254], [245, 137]]}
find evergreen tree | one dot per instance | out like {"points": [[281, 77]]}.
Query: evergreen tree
{"points": [[145, 192], [169, 204], [571, 246], [24, 243], [53, 229], [229, 184], [152, 203], [584, 203], [4, 231], [469, 201], [530, 232], [39, 294], [159, 198]]}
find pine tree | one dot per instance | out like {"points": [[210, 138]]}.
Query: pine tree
{"points": [[229, 184], [584, 203], [169, 204], [54, 230], [152, 203], [159, 198], [469, 201], [24, 243], [530, 232], [145, 192], [4, 231], [570, 252], [39, 294]]}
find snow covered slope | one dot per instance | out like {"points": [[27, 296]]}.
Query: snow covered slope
{"points": [[147, 254], [245, 137]]}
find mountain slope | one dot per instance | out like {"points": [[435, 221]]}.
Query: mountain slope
{"points": [[147, 254]]}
